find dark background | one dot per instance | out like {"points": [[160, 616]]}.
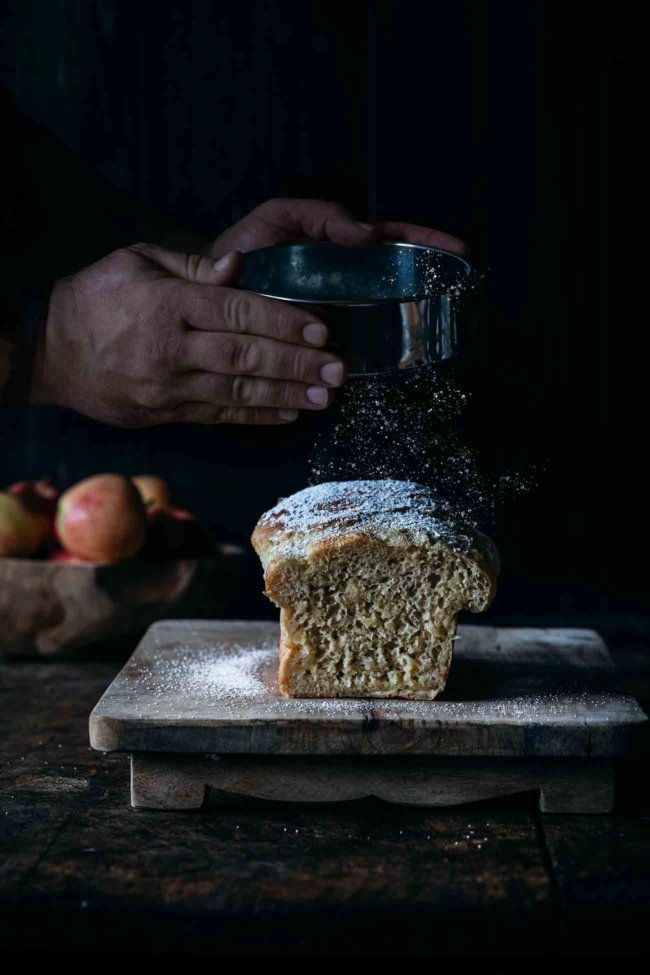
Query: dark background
{"points": [[498, 122]]}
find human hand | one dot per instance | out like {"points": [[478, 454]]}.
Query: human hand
{"points": [[283, 221], [148, 336]]}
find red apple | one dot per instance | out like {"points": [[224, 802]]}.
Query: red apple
{"points": [[21, 530], [102, 519], [42, 490], [66, 558], [154, 491], [175, 533]]}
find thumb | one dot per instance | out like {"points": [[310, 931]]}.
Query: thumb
{"points": [[195, 268]]}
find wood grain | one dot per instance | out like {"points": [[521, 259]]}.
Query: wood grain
{"points": [[511, 693]]}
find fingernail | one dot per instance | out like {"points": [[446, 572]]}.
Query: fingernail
{"points": [[288, 414], [318, 395], [365, 226], [332, 373], [222, 262], [315, 333]]}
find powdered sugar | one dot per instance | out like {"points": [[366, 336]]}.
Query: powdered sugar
{"points": [[208, 674], [380, 508]]}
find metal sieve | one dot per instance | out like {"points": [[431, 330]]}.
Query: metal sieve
{"points": [[388, 307]]}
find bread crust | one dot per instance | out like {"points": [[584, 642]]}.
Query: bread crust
{"points": [[284, 669]]}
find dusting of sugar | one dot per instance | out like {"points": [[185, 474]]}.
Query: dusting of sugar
{"points": [[208, 674], [380, 508]]}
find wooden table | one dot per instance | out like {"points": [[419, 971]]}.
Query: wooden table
{"points": [[80, 870]]}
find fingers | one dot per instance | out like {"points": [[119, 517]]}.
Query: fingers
{"points": [[316, 220], [251, 355], [281, 221], [245, 313], [250, 392], [194, 268], [410, 233], [208, 415], [237, 333]]}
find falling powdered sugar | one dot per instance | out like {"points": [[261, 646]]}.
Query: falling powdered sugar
{"points": [[409, 426]]}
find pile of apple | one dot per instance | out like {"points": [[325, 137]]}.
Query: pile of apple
{"points": [[107, 518]]}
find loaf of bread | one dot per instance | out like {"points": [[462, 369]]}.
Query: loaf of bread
{"points": [[369, 577]]}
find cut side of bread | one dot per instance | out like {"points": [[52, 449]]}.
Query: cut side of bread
{"points": [[369, 577]]}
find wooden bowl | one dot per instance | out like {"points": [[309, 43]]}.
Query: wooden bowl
{"points": [[54, 608]]}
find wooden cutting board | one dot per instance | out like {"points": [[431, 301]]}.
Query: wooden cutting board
{"points": [[511, 692], [197, 706]]}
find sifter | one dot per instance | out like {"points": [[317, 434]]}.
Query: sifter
{"points": [[389, 307]]}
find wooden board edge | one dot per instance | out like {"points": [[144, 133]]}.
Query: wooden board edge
{"points": [[104, 733]]}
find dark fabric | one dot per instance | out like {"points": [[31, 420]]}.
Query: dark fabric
{"points": [[21, 319], [501, 123]]}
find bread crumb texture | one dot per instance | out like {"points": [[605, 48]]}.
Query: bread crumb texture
{"points": [[369, 577]]}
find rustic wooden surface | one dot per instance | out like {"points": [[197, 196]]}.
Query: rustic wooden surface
{"points": [[51, 609], [81, 870], [512, 692]]}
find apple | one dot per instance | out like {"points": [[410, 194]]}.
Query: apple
{"points": [[21, 530], [40, 499], [66, 558], [154, 491], [102, 519], [41, 491], [176, 533]]}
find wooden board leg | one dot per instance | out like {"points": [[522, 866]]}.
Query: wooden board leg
{"points": [[163, 781], [578, 787]]}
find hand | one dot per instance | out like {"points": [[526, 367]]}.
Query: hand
{"points": [[292, 221], [149, 336]]}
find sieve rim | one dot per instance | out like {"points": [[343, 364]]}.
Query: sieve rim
{"points": [[417, 296]]}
